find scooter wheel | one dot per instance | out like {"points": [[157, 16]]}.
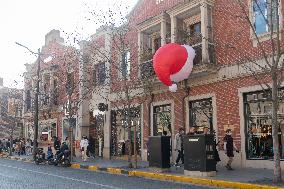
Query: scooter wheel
{"points": [[67, 163]]}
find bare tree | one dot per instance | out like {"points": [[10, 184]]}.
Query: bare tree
{"points": [[124, 86]]}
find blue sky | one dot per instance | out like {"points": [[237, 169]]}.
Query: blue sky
{"points": [[28, 21]]}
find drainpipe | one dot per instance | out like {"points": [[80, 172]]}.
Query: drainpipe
{"points": [[149, 112], [186, 88]]}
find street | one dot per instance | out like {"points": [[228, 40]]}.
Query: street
{"points": [[21, 175]]}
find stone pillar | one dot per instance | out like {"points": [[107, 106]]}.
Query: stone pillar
{"points": [[107, 133], [83, 112], [173, 29], [163, 29], [204, 32]]}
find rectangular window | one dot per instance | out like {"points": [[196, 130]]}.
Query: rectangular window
{"points": [[70, 83], [147, 70], [162, 120], [157, 43], [258, 125], [200, 115], [100, 74], [195, 33], [125, 64], [55, 92], [28, 100], [262, 11]]}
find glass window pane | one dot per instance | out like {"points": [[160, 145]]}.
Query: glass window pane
{"points": [[162, 120], [201, 115], [260, 14], [259, 126]]}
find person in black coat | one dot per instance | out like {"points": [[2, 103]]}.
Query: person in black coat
{"points": [[91, 147], [229, 147], [56, 144]]}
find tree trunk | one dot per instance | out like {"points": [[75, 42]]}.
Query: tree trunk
{"points": [[129, 137], [275, 129]]}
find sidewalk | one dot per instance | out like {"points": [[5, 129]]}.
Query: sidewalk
{"points": [[239, 178]]}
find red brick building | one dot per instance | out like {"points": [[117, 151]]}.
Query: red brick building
{"points": [[220, 93], [59, 71]]}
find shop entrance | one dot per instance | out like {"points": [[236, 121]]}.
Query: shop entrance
{"points": [[119, 132]]}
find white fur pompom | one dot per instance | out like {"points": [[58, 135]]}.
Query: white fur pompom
{"points": [[173, 88]]}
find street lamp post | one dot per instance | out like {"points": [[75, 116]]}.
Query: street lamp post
{"points": [[35, 145], [69, 87], [36, 106]]}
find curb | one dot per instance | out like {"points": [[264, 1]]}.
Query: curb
{"points": [[176, 178], [164, 177]]}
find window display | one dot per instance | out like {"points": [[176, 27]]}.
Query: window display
{"points": [[119, 131], [201, 115], [162, 120], [259, 143]]}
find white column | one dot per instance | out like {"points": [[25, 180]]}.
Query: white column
{"points": [[163, 30], [173, 28], [107, 133], [140, 45], [83, 112], [204, 32], [51, 87]]}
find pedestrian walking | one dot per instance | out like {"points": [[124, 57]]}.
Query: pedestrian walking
{"points": [[28, 147], [179, 146], [84, 146], [229, 147], [91, 147], [23, 146]]}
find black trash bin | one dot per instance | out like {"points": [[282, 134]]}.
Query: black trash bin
{"points": [[159, 151], [199, 153]]}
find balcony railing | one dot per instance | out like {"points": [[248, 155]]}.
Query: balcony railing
{"points": [[147, 70]]}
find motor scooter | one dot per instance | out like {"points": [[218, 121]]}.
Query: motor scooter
{"points": [[39, 156], [62, 158]]}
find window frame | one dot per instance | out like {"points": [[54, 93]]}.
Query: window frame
{"points": [[190, 113], [263, 116], [97, 74], [264, 36], [128, 64], [155, 114]]}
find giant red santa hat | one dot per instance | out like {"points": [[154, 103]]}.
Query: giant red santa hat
{"points": [[173, 63]]}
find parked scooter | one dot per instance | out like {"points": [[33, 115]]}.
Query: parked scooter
{"points": [[62, 158], [39, 156]]}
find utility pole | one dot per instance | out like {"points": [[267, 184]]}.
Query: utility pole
{"points": [[70, 126]]}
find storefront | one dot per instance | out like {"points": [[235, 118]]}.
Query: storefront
{"points": [[66, 127], [96, 131], [119, 132], [47, 130], [258, 125]]}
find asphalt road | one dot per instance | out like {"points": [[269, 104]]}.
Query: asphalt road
{"points": [[21, 175]]}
